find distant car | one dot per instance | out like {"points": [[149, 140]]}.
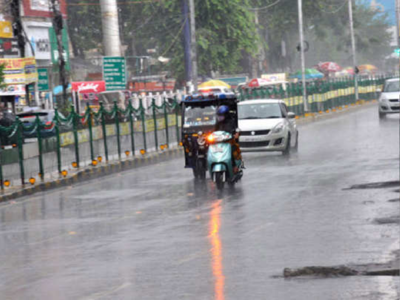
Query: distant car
{"points": [[7, 119], [267, 125], [389, 98], [46, 117], [214, 90]]}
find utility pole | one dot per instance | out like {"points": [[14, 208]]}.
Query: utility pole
{"points": [[193, 43], [186, 41], [303, 68], [255, 61], [17, 26], [109, 20], [19, 33], [353, 47], [398, 22], [58, 25]]}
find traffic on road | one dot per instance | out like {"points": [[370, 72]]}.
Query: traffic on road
{"points": [[159, 233]]}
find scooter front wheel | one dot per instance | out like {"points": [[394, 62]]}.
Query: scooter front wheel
{"points": [[219, 180]]}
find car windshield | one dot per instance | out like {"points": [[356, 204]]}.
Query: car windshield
{"points": [[392, 86], [260, 111], [200, 116]]}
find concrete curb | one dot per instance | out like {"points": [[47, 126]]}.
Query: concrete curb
{"points": [[92, 173]]}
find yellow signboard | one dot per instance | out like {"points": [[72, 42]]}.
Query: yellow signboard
{"points": [[19, 70], [6, 29]]}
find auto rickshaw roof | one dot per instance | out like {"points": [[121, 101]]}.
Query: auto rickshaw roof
{"points": [[201, 98]]}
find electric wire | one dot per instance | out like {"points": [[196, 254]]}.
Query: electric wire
{"points": [[336, 10], [265, 7]]}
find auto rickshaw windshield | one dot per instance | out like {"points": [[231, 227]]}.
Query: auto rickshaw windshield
{"points": [[199, 116]]}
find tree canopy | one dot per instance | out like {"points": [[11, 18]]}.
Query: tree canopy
{"points": [[227, 36]]}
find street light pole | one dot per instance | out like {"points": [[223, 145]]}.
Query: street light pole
{"points": [[193, 43], [109, 20], [398, 23], [353, 47], [303, 75]]}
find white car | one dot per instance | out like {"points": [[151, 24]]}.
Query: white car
{"points": [[214, 90], [267, 125], [389, 98]]}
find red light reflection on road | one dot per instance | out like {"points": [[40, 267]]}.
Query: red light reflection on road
{"points": [[216, 250]]}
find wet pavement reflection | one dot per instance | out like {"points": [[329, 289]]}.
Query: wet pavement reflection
{"points": [[216, 250]]}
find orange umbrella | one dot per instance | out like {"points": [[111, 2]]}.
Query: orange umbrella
{"points": [[367, 68]]}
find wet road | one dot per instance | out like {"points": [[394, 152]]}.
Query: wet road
{"points": [[154, 234]]}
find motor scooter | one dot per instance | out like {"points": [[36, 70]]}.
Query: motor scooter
{"points": [[219, 160]]}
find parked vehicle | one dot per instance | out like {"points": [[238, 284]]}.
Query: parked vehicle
{"points": [[267, 125], [46, 117], [214, 90], [389, 98], [7, 119]]}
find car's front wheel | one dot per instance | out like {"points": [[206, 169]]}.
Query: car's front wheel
{"points": [[296, 146], [382, 115], [286, 152]]}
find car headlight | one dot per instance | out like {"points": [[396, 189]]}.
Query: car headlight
{"points": [[278, 128], [382, 98]]}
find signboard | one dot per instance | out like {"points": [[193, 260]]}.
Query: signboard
{"points": [[43, 80], [42, 8], [9, 47], [54, 47], [13, 90], [84, 87], [114, 73], [151, 85], [38, 37], [19, 70], [274, 77], [6, 30]]}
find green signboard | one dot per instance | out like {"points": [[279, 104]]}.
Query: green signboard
{"points": [[114, 73], [54, 48], [43, 82]]}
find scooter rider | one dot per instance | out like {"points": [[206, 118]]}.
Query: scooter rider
{"points": [[227, 124], [224, 120]]}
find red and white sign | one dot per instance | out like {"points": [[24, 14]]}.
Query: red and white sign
{"points": [[42, 8], [258, 82], [85, 87]]}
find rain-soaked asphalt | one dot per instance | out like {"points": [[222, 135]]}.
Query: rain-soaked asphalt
{"points": [[153, 233]]}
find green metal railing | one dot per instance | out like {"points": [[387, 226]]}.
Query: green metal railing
{"points": [[130, 119], [321, 96]]}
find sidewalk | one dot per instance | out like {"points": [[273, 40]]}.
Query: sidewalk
{"points": [[88, 173]]}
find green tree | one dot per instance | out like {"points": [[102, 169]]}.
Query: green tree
{"points": [[326, 27], [2, 84]]}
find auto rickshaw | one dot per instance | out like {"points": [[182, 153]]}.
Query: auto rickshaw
{"points": [[199, 119]]}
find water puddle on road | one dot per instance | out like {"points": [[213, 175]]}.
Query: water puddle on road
{"points": [[340, 271], [389, 220], [375, 185]]}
